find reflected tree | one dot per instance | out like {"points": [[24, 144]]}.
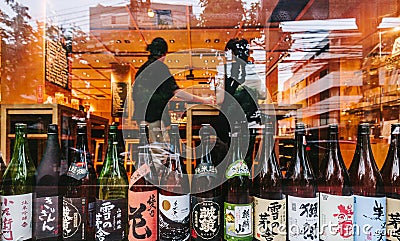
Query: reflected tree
{"points": [[221, 13]]}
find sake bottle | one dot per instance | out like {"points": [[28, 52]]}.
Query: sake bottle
{"points": [[17, 189], [47, 205], [174, 197], [79, 201], [391, 179], [238, 207], [336, 204], [269, 201], [143, 194], [206, 199], [367, 185], [112, 196], [300, 188]]}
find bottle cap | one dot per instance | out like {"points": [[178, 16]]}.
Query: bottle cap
{"points": [[205, 130], [333, 128], [21, 127], [174, 128], [300, 128], [81, 127], [363, 129], [52, 129]]}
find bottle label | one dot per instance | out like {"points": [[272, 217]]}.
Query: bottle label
{"points": [[269, 219], [111, 216], [46, 219], [143, 215], [393, 219], [238, 168], [369, 218], [238, 221], [139, 173], [336, 217], [174, 217], [77, 171], [16, 217], [302, 218], [74, 218], [205, 168], [206, 217]]}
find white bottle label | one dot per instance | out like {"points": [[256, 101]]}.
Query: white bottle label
{"points": [[174, 223], [393, 219], [16, 217], [269, 219], [369, 218], [336, 217], [302, 218]]}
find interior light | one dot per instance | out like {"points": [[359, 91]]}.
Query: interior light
{"points": [[150, 13]]}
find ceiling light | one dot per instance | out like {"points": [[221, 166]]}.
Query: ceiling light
{"points": [[208, 40], [97, 61], [216, 40], [127, 41], [133, 60], [150, 13], [140, 60], [172, 41], [118, 41]]}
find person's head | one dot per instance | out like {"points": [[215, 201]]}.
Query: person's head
{"points": [[158, 47]]}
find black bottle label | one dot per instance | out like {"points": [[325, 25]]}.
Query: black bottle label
{"points": [[206, 218], [47, 224], [74, 218], [77, 171], [111, 217]]}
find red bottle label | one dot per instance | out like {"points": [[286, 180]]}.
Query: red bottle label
{"points": [[143, 215]]}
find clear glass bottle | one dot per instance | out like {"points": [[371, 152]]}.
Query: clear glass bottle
{"points": [[112, 196], [17, 189]]}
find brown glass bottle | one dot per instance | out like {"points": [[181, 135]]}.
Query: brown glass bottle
{"points": [[47, 206], [238, 225], [391, 179], [365, 177], [80, 196], [333, 177], [300, 180], [335, 190], [174, 198], [143, 194], [300, 188], [206, 194], [269, 201]]}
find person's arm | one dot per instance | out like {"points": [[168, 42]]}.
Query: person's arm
{"points": [[184, 95]]}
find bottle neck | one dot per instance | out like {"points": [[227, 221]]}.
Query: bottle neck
{"points": [[205, 151], [20, 149], [175, 147], [82, 149], [236, 148], [113, 151], [300, 143]]}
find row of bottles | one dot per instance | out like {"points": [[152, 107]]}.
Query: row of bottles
{"points": [[45, 204]]}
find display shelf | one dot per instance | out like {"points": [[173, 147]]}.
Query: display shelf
{"points": [[37, 117]]}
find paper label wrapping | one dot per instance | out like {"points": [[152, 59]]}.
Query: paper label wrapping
{"points": [[336, 217], [392, 219], [206, 217], [143, 215], [302, 218], [269, 219], [46, 220], [16, 217], [238, 221], [238, 168], [369, 218], [111, 216], [174, 222]]}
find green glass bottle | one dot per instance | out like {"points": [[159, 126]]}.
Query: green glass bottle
{"points": [[111, 203], [17, 186]]}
